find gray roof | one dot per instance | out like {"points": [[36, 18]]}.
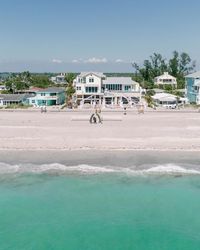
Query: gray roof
{"points": [[14, 97], [166, 75], [99, 74], [119, 80], [164, 97], [194, 75], [51, 90]]}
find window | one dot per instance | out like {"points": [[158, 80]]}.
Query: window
{"points": [[82, 80], [115, 87], [91, 89], [78, 88], [43, 94], [91, 79], [167, 80], [33, 101], [127, 87]]}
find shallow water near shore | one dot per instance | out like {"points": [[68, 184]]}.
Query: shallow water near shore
{"points": [[55, 206]]}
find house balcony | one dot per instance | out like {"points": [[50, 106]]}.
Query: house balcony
{"points": [[54, 98], [121, 91]]}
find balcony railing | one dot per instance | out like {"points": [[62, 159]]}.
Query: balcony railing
{"points": [[46, 97]]}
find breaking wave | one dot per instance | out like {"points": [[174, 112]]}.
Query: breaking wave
{"points": [[168, 169]]}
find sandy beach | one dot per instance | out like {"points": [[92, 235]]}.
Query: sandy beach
{"points": [[166, 131], [88, 183]]}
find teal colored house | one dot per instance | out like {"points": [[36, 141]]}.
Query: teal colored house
{"points": [[193, 87], [48, 97]]}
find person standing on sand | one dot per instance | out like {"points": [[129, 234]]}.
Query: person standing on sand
{"points": [[141, 108], [125, 111]]}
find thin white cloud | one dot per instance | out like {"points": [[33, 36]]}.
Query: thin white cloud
{"points": [[75, 61], [57, 61], [119, 61], [95, 60]]}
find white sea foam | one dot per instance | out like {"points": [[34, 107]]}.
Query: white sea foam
{"points": [[172, 169], [168, 169], [32, 168], [6, 168]]}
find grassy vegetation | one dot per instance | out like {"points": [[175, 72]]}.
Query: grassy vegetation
{"points": [[192, 105], [18, 106]]}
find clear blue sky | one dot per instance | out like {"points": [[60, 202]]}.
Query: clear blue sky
{"points": [[106, 35]]}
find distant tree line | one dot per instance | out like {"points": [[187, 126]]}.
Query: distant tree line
{"points": [[178, 66]]}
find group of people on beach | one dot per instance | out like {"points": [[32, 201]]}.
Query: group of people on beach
{"points": [[43, 109]]}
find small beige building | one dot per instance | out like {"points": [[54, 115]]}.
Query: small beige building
{"points": [[165, 79]]}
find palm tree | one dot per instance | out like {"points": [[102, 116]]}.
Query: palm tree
{"points": [[149, 100], [70, 90]]}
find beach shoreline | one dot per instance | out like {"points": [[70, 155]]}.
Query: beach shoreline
{"points": [[112, 158]]}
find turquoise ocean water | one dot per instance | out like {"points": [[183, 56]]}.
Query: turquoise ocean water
{"points": [[99, 208]]}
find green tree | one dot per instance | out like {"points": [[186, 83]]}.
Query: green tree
{"points": [[168, 88], [159, 64], [40, 81], [151, 68], [18, 81], [174, 64], [69, 78], [149, 100], [9, 85], [178, 66], [70, 90]]}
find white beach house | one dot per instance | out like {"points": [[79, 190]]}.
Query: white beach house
{"points": [[2, 87], [59, 79], [165, 79], [168, 100], [96, 88]]}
